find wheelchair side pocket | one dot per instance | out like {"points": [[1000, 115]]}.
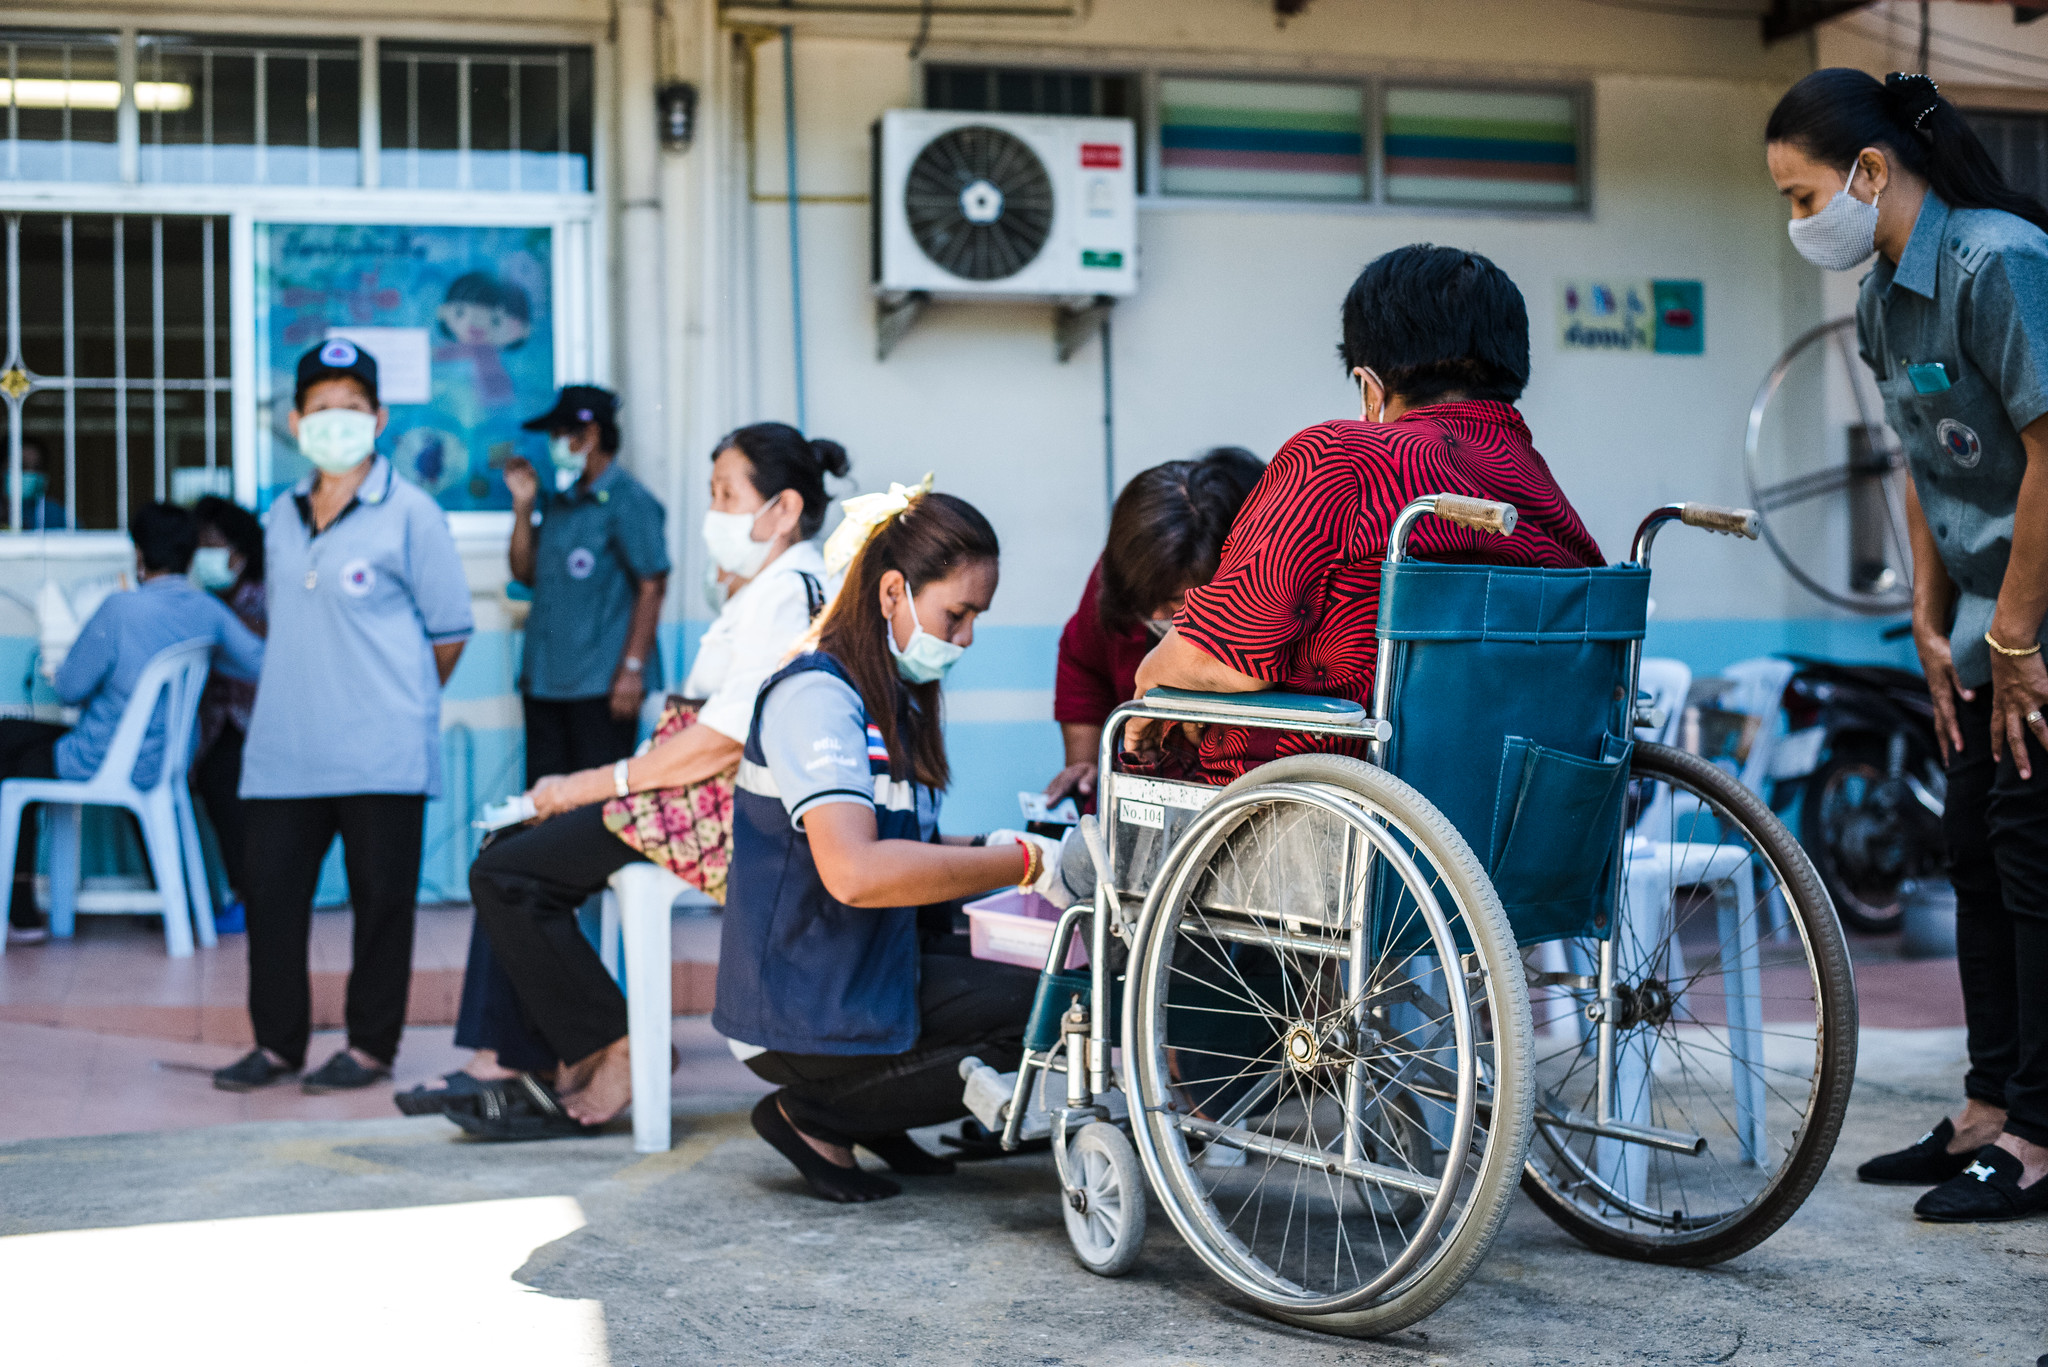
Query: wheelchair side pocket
{"points": [[1556, 821]]}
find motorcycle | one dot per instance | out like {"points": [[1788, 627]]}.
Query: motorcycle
{"points": [[1862, 738]]}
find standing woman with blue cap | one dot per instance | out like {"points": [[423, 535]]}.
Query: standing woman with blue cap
{"points": [[1953, 321], [369, 611]]}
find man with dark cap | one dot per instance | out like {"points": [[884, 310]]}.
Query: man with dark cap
{"points": [[594, 551], [369, 611]]}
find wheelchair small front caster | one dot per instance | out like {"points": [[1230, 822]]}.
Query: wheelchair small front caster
{"points": [[1105, 1206]]}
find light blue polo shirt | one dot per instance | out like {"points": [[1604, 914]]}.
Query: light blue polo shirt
{"points": [[349, 701]]}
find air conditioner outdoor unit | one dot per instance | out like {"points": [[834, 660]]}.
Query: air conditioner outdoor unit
{"points": [[1004, 204]]}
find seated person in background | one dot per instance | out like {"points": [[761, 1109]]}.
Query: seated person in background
{"points": [[1165, 537], [100, 673], [1438, 340], [229, 565]]}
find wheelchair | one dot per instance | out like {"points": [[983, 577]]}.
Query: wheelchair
{"points": [[1333, 1012]]}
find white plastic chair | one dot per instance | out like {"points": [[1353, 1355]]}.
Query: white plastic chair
{"points": [[637, 906], [170, 832]]}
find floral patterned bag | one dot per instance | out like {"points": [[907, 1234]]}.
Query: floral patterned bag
{"points": [[686, 830]]}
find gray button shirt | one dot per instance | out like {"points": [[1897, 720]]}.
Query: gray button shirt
{"points": [[595, 546], [350, 700], [1970, 296]]}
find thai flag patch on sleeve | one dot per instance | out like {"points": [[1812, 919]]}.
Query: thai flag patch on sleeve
{"points": [[878, 749]]}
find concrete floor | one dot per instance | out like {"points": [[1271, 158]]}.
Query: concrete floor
{"points": [[388, 1241]]}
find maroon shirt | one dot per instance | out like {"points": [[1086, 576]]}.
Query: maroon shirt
{"points": [[1098, 669], [1296, 599]]}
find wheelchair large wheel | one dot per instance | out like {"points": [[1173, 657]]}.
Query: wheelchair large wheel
{"points": [[1735, 1031], [1330, 1118]]}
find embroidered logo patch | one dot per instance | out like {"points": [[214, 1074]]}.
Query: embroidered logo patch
{"points": [[581, 563], [1960, 442], [357, 578], [339, 353]]}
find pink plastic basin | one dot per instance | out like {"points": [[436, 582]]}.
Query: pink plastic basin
{"points": [[1014, 927]]}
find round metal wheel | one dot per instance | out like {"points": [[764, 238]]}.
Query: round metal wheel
{"points": [[1105, 1206], [1734, 1031], [1329, 1089], [1827, 477]]}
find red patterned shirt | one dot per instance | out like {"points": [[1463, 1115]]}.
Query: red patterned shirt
{"points": [[1296, 599]]}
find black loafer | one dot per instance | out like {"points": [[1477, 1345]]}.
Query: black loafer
{"points": [[343, 1074], [1988, 1189], [253, 1070], [1925, 1163]]}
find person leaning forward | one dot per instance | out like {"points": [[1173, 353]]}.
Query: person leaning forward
{"points": [[369, 611]]}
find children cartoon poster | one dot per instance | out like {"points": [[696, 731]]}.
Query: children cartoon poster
{"points": [[466, 317]]}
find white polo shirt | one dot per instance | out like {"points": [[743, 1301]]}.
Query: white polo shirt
{"points": [[349, 700], [753, 634]]}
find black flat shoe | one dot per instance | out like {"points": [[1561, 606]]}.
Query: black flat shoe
{"points": [[1988, 1189], [1924, 1163], [978, 1144], [253, 1070], [435, 1100], [515, 1111], [827, 1180], [343, 1074], [905, 1155]]}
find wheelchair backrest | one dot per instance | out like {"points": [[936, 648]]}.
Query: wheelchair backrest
{"points": [[1510, 710]]}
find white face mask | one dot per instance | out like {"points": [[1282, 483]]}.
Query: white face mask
{"points": [[212, 567], [1842, 235], [567, 460], [337, 439], [926, 659], [730, 539]]}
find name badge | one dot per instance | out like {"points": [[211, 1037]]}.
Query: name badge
{"points": [[1929, 377]]}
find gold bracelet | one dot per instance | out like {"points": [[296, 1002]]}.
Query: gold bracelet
{"points": [[1034, 864], [2009, 652]]}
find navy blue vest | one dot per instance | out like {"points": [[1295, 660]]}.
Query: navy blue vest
{"points": [[799, 971]]}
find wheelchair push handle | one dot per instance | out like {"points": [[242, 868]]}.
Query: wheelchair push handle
{"points": [[1481, 515], [1728, 521]]}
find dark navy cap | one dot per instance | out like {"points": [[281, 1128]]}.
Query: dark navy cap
{"points": [[334, 359], [575, 405]]}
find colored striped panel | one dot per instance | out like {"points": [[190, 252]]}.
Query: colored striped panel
{"points": [[1261, 138], [1507, 149]]}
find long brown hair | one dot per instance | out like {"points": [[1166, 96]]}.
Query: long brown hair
{"points": [[934, 536]]}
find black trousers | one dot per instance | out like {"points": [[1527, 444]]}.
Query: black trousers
{"points": [[964, 1006], [561, 737], [380, 844], [1996, 824], [27, 750], [217, 778], [527, 885]]}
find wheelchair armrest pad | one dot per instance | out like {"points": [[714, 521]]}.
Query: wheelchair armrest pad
{"points": [[1267, 703]]}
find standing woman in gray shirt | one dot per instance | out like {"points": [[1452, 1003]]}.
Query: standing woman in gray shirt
{"points": [[1953, 321], [369, 611]]}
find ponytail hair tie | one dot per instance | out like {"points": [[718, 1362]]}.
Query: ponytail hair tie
{"points": [[867, 514], [1913, 96]]}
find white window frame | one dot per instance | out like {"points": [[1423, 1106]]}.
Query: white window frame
{"points": [[581, 223]]}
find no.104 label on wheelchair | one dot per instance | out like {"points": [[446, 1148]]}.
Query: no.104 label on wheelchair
{"points": [[1148, 814]]}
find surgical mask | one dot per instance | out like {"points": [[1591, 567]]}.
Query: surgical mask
{"points": [[337, 439], [926, 659], [568, 462], [1157, 627], [730, 539], [211, 569], [1842, 235]]}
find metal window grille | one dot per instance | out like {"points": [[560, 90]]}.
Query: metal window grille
{"points": [[497, 118], [114, 383], [240, 111], [61, 98]]}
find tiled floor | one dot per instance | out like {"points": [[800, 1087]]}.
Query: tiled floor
{"points": [[113, 977]]}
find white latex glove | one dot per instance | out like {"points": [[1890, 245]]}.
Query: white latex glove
{"points": [[1048, 884]]}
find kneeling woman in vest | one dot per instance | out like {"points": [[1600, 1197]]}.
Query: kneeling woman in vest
{"points": [[822, 987]]}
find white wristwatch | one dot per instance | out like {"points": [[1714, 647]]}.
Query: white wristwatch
{"points": [[634, 664], [619, 784]]}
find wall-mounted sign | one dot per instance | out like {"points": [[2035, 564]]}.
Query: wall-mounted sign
{"points": [[1663, 316]]}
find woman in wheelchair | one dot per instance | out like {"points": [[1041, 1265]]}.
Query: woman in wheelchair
{"points": [[823, 986], [1438, 341]]}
